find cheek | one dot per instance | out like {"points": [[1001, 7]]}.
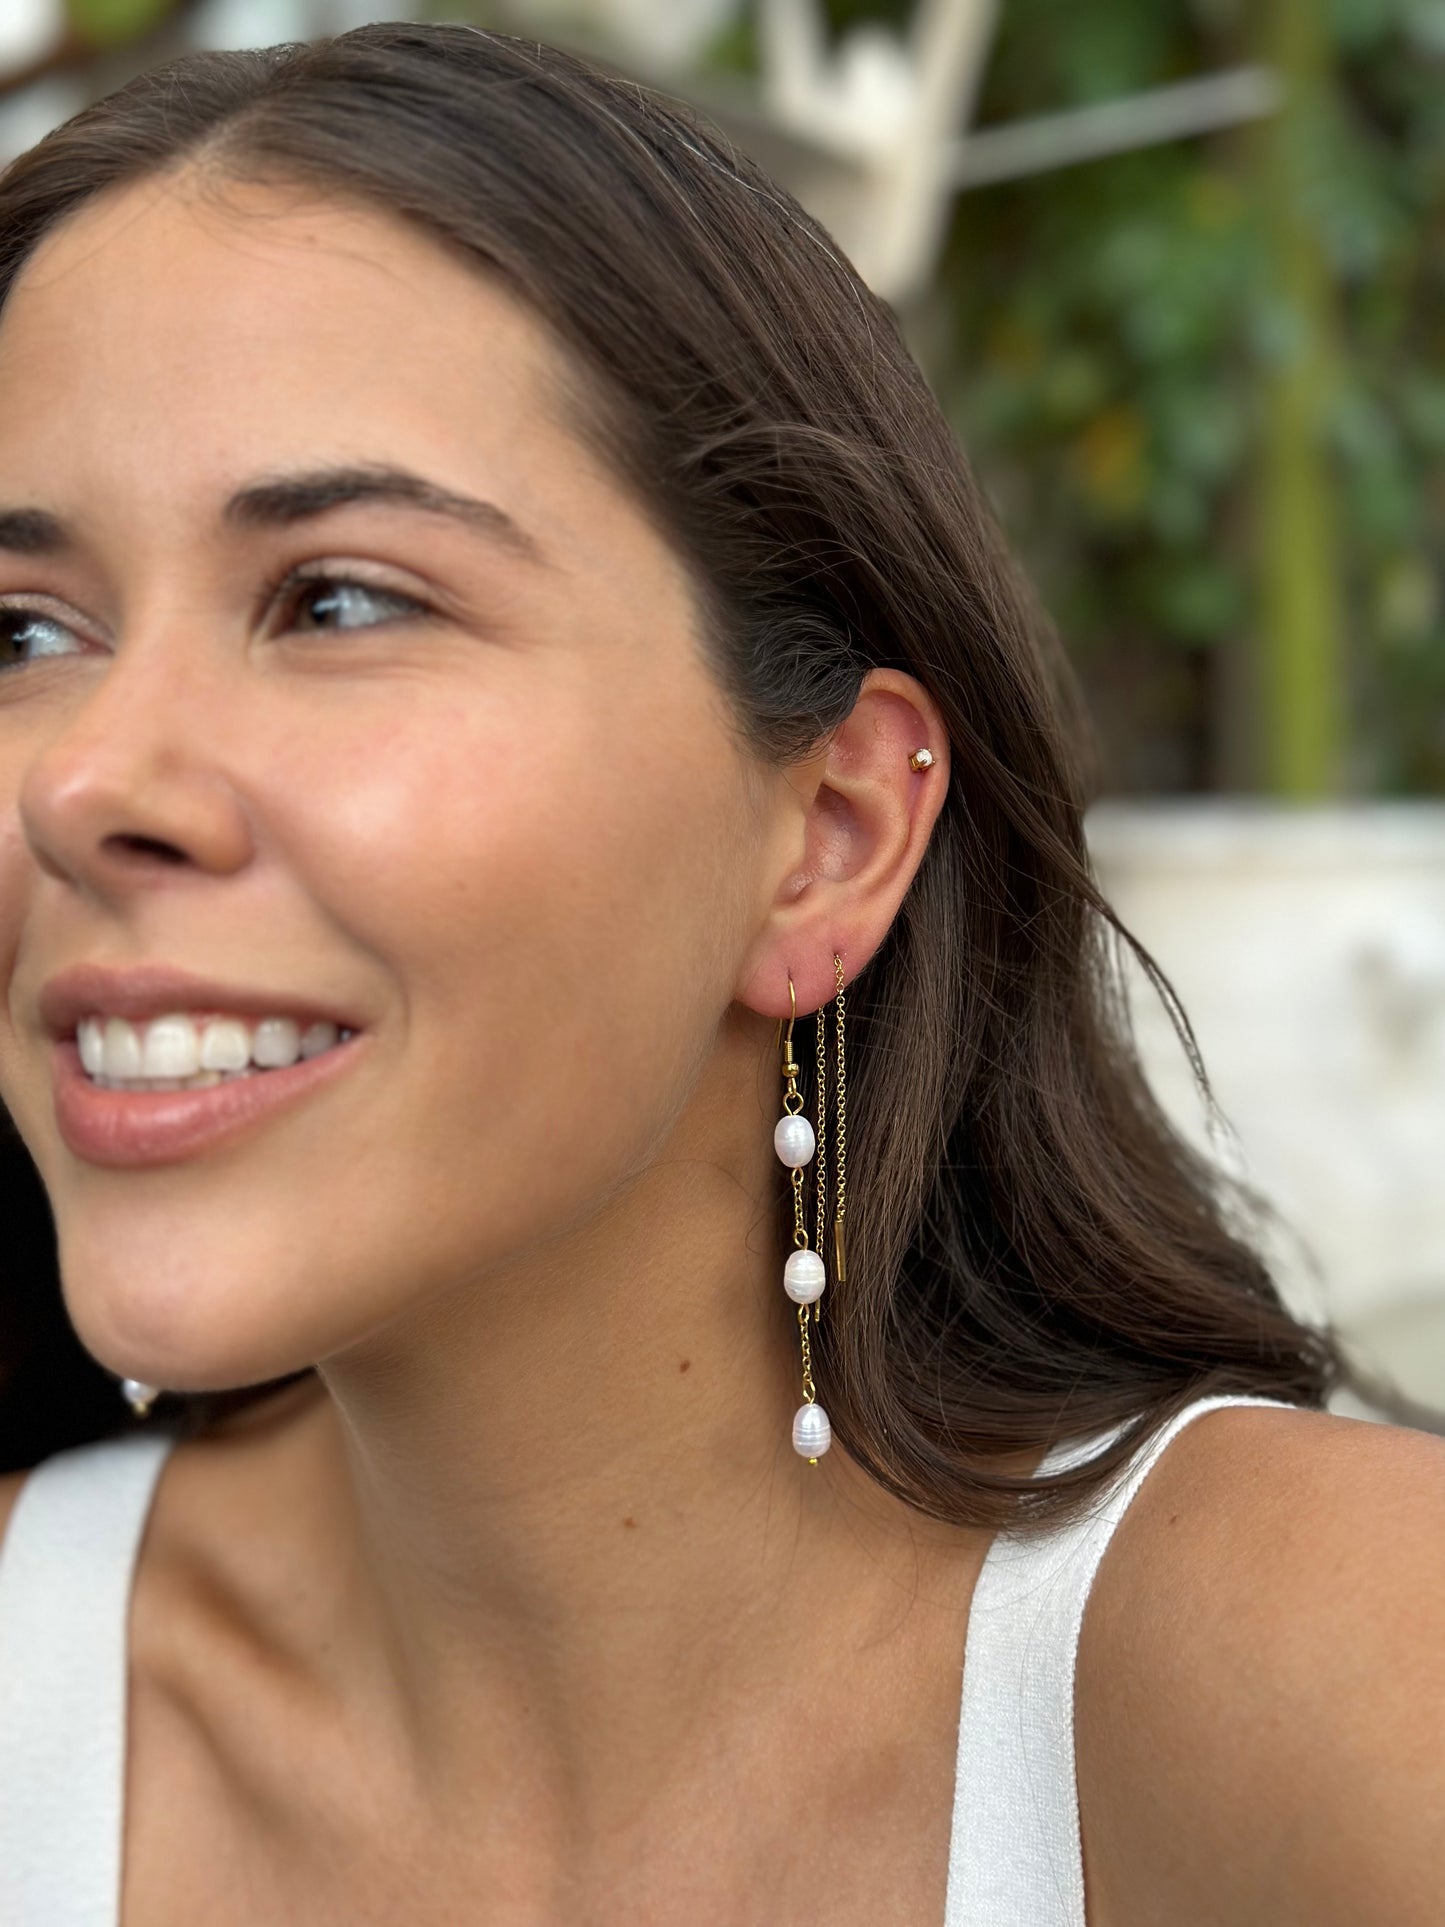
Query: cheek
{"points": [[541, 899]]}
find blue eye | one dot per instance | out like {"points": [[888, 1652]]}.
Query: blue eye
{"points": [[341, 596], [29, 628]]}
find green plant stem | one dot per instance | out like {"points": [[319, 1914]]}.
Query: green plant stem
{"points": [[1302, 588]]}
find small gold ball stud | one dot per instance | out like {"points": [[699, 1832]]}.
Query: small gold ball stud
{"points": [[921, 759]]}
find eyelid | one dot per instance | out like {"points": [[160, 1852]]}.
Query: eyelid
{"points": [[24, 602], [358, 572]]}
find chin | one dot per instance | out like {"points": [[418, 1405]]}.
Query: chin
{"points": [[186, 1324]]}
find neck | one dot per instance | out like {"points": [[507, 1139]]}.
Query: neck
{"points": [[563, 1508]]}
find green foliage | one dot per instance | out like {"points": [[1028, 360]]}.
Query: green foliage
{"points": [[1113, 330], [111, 23], [843, 14]]}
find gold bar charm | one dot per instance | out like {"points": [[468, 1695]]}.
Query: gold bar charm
{"points": [[839, 1269]]}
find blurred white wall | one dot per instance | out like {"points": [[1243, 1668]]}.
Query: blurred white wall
{"points": [[27, 29], [1307, 946]]}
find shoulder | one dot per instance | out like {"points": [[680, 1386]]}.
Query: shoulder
{"points": [[1261, 1686]]}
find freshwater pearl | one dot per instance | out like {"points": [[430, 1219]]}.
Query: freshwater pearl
{"points": [[137, 1393], [812, 1434], [793, 1139], [804, 1276]]}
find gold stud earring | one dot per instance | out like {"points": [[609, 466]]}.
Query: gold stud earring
{"points": [[921, 759]]}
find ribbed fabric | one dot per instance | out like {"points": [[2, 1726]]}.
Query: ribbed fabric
{"points": [[1015, 1858], [66, 1566], [66, 1570]]}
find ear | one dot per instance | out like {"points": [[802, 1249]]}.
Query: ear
{"points": [[851, 826]]}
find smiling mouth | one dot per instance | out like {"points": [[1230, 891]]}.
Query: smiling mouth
{"points": [[151, 1120], [181, 1050]]}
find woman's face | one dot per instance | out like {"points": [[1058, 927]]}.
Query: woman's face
{"points": [[473, 794]]}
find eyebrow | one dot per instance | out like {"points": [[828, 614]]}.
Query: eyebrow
{"points": [[282, 501]]}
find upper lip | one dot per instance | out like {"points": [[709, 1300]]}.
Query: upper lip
{"points": [[139, 991]]}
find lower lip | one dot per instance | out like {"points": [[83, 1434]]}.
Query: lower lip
{"points": [[163, 1127]]}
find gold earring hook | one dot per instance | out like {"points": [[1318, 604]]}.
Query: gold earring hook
{"points": [[785, 1044], [792, 1012]]}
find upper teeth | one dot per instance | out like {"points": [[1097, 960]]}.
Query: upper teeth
{"points": [[177, 1045]]}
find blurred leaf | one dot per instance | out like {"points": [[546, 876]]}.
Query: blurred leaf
{"points": [[840, 15], [110, 23], [1072, 387], [1407, 600], [1425, 26], [1108, 458], [1204, 601], [1361, 24], [1422, 408], [734, 48]]}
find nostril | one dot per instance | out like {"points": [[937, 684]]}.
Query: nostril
{"points": [[148, 846]]}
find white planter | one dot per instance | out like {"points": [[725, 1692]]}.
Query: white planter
{"points": [[1307, 945]]}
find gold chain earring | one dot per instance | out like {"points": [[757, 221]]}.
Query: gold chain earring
{"points": [[840, 1103], [804, 1273], [839, 1264]]}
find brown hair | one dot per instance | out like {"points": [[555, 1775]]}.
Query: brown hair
{"points": [[1033, 1252]]}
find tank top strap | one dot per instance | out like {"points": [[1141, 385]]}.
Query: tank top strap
{"points": [[1015, 1857], [66, 1567]]}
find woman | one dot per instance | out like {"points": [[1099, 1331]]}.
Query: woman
{"points": [[505, 674]]}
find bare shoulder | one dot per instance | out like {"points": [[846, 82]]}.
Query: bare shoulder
{"points": [[1260, 1698]]}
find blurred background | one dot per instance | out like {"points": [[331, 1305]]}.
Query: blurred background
{"points": [[1176, 269]]}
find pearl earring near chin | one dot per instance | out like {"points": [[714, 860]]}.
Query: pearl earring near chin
{"points": [[138, 1395]]}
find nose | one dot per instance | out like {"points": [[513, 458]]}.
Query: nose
{"points": [[128, 788]]}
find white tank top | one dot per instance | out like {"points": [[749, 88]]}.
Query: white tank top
{"points": [[66, 1567]]}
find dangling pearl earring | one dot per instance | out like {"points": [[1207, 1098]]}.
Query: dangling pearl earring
{"points": [[804, 1274], [138, 1395]]}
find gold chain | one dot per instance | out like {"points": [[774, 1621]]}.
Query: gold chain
{"points": [[821, 1167], [839, 1264]]}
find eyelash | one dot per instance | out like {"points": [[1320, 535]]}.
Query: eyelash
{"points": [[290, 590]]}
